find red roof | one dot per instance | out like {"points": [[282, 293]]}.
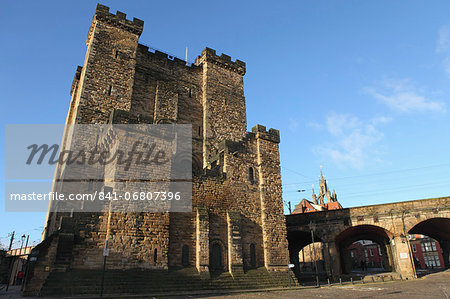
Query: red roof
{"points": [[306, 206]]}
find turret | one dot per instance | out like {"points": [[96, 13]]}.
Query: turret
{"points": [[224, 116], [334, 195], [107, 76]]}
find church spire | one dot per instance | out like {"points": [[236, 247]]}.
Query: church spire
{"points": [[314, 198], [321, 174]]}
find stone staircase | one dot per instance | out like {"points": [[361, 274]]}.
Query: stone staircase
{"points": [[184, 281], [64, 251]]}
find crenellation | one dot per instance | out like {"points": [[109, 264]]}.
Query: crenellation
{"points": [[164, 57], [161, 55], [270, 135], [120, 15], [209, 55], [259, 128], [119, 19], [76, 79]]}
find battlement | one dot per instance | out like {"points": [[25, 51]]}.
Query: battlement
{"points": [[209, 55], [119, 20], [271, 135], [76, 78], [158, 55]]}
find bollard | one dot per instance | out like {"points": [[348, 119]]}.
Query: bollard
{"points": [[340, 280], [328, 281], [351, 280], [401, 277], [362, 280]]}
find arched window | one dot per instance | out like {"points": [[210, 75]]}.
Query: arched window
{"points": [[251, 175], [185, 256], [155, 255], [252, 256]]}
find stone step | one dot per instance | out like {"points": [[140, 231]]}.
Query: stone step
{"points": [[83, 282]]}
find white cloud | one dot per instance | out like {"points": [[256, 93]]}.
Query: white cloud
{"points": [[402, 96], [381, 120], [353, 141], [293, 124], [443, 47], [315, 125]]}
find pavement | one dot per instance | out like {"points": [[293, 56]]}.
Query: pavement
{"points": [[13, 292], [436, 285]]}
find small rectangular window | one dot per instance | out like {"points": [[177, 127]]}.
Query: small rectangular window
{"points": [[109, 90], [438, 262]]}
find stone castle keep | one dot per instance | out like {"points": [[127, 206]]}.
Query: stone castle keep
{"points": [[237, 221]]}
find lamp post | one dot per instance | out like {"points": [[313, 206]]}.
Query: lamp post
{"points": [[289, 203], [311, 227], [23, 240]]}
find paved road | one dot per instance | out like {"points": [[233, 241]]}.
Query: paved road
{"points": [[435, 285]]}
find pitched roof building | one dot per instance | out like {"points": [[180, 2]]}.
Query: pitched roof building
{"points": [[325, 200]]}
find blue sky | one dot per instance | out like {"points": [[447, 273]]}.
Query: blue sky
{"points": [[361, 88]]}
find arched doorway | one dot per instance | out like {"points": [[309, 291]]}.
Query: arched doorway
{"points": [[252, 256], [430, 245], [365, 248], [307, 257], [216, 257]]}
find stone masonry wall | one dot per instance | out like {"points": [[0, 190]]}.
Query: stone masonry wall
{"points": [[236, 183]]}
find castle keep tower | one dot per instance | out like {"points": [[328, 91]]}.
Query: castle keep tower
{"points": [[237, 220]]}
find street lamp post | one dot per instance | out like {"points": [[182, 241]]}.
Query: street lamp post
{"points": [[21, 246], [311, 227]]}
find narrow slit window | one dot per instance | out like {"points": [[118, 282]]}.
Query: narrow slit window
{"points": [[155, 255], [251, 175], [185, 256], [252, 255], [109, 90]]}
